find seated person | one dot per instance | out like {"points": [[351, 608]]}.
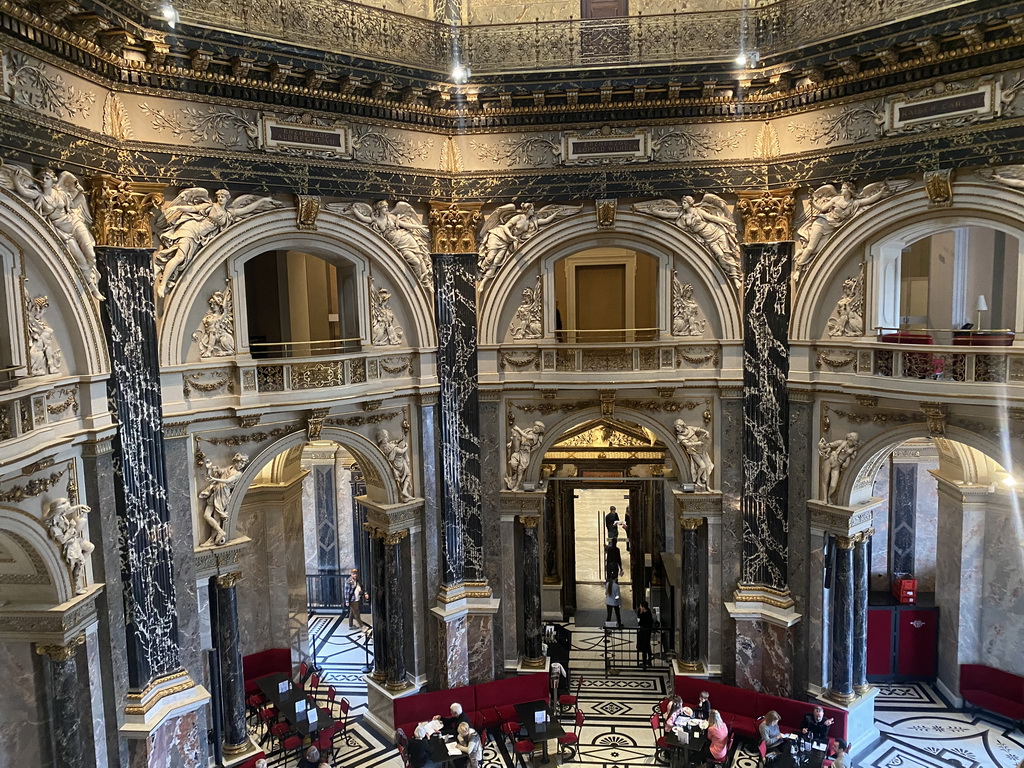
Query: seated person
{"points": [[469, 744], [430, 727], [310, 758], [677, 714], [814, 727], [704, 705], [842, 752], [451, 724], [771, 735], [420, 753], [718, 737]]}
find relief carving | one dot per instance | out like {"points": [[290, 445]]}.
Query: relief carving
{"points": [[687, 318], [44, 355], [216, 334], [709, 221], [34, 87], [66, 524], [507, 228], [847, 318], [221, 483], [189, 222], [527, 321], [384, 328]]}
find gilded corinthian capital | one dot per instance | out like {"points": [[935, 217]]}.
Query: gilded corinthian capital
{"points": [[453, 227], [121, 211], [767, 216]]}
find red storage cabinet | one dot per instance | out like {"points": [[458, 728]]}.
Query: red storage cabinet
{"points": [[903, 639]]}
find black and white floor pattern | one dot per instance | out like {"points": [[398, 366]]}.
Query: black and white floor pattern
{"points": [[918, 728]]}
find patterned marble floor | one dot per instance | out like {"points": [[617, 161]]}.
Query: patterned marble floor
{"points": [[918, 728]]}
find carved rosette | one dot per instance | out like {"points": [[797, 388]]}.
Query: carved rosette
{"points": [[767, 216], [121, 211], [453, 228]]}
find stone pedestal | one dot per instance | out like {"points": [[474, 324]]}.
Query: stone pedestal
{"points": [[765, 641], [380, 706], [861, 730]]}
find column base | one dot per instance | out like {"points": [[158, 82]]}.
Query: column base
{"points": [[171, 696], [861, 730], [466, 638], [529, 666], [685, 669], [842, 699], [246, 751], [380, 705]]}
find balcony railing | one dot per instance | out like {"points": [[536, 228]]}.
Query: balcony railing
{"points": [[315, 348], [607, 357], [491, 49]]}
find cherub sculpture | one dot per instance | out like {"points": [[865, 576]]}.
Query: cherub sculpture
{"points": [[216, 334], [526, 323], [402, 228], [221, 482], [521, 445], [44, 354], [384, 328], [710, 221], [66, 523], [189, 222], [62, 203], [829, 210], [507, 228]]}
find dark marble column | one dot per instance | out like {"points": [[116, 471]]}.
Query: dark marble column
{"points": [[129, 320], [378, 609], [459, 417], [66, 722], [394, 621], [232, 679], [766, 308], [841, 646], [533, 655], [903, 517], [689, 657], [861, 573]]}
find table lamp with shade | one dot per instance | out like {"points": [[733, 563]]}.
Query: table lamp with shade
{"points": [[980, 306]]}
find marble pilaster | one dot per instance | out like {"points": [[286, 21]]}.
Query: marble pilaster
{"points": [[532, 648], [802, 459], [841, 668], [690, 652], [394, 619], [232, 679], [492, 453], [66, 721], [731, 550], [902, 516], [345, 521], [378, 604], [861, 568]]}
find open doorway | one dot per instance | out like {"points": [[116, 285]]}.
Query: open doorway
{"points": [[600, 522]]}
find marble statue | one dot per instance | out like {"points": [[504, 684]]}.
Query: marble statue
{"points": [[848, 317], [507, 228], [401, 227], [521, 445], [686, 315], [829, 210], [526, 322], [66, 523], [709, 221], [836, 457], [397, 454], [1008, 175], [61, 201], [696, 441], [384, 328], [189, 222], [216, 334], [44, 354], [220, 484]]}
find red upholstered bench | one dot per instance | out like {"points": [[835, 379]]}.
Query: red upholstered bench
{"points": [[413, 710], [268, 662], [993, 689]]}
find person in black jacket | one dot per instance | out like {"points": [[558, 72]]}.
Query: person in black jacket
{"points": [[704, 705], [814, 727], [645, 619], [612, 562], [451, 724]]}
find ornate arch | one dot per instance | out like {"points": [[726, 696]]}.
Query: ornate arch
{"points": [[554, 432], [336, 235], [900, 220], [366, 452], [855, 485], [26, 236], [635, 231], [30, 536]]}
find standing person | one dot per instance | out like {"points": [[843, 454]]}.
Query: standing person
{"points": [[625, 528], [645, 620], [612, 525], [718, 736], [354, 599], [612, 561], [612, 599]]}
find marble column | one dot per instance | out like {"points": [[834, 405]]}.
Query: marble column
{"points": [[689, 657], [232, 679], [66, 721], [841, 646], [378, 607], [860, 612], [394, 623], [533, 649]]}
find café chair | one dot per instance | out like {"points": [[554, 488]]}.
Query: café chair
{"points": [[325, 740], [343, 708], [292, 744], [661, 708], [280, 731], [728, 751], [251, 761], [569, 744], [661, 745], [569, 701], [404, 754], [521, 747], [267, 717]]}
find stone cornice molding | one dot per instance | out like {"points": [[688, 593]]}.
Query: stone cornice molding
{"points": [[707, 505], [58, 625], [393, 518], [522, 503], [212, 561], [843, 521]]}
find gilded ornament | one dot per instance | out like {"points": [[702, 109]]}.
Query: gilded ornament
{"points": [[453, 228], [58, 652], [939, 187], [606, 212], [307, 208], [767, 216], [935, 415]]}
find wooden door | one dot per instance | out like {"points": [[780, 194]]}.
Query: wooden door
{"points": [[603, 9], [600, 301], [881, 637], [917, 652]]}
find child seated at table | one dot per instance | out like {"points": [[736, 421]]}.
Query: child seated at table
{"points": [[469, 744]]}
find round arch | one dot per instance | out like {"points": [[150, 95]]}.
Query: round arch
{"points": [[26, 236], [894, 223], [554, 432], [30, 531], [375, 467], [634, 231], [855, 484], [335, 236]]}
